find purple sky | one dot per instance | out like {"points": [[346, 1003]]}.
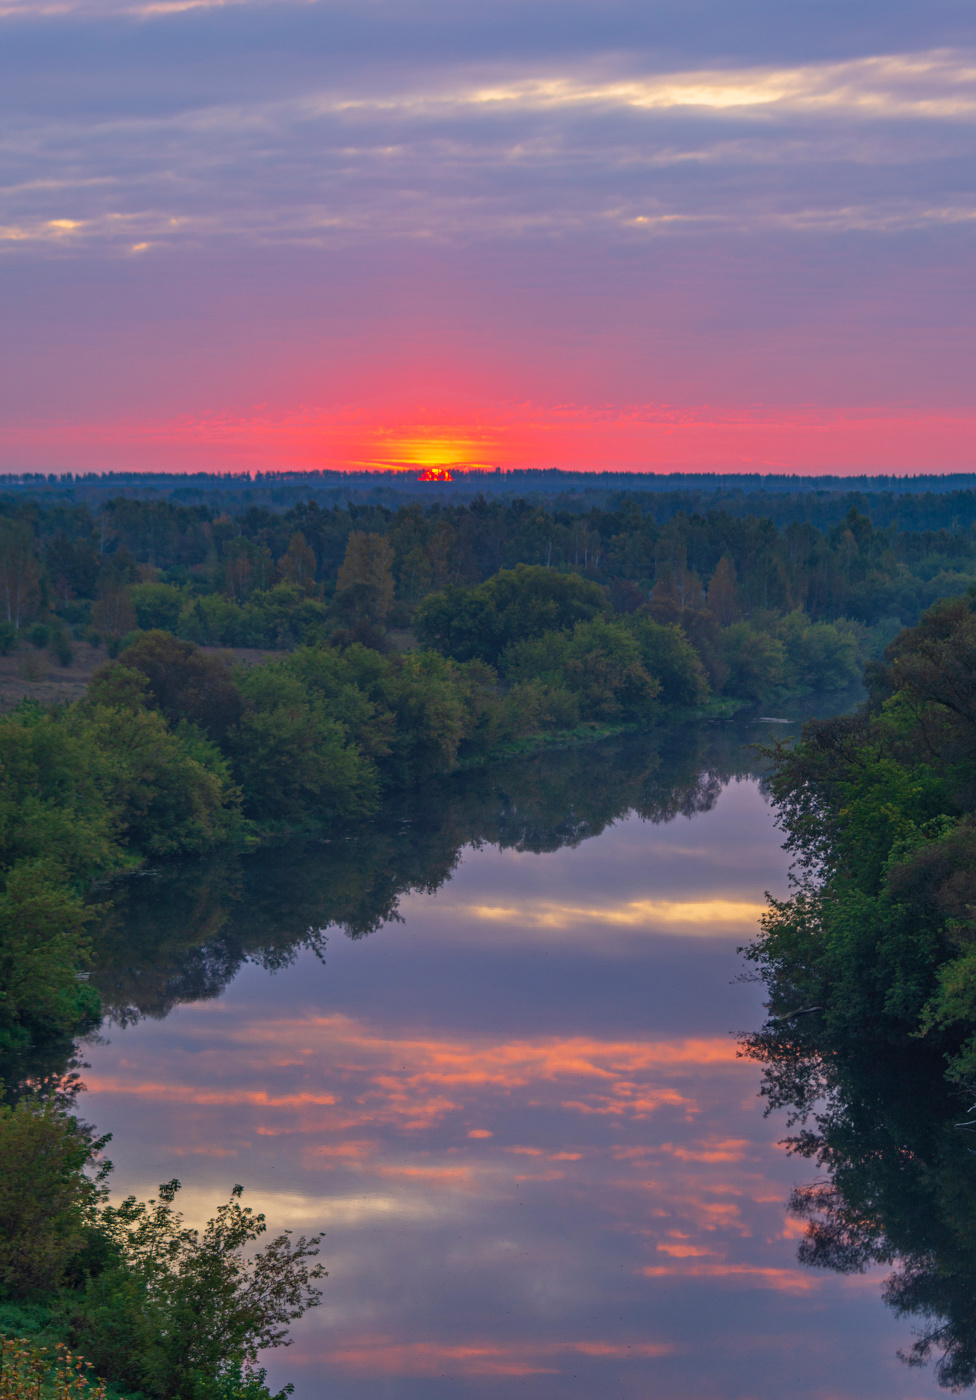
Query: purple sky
{"points": [[731, 235]]}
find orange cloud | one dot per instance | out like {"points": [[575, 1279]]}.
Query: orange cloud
{"points": [[413, 1083], [686, 1251], [785, 1280], [384, 1358], [185, 1093]]}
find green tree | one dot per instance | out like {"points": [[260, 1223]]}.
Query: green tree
{"points": [[113, 613], [723, 595], [515, 606], [755, 662], [157, 606], [183, 1314], [48, 1200], [294, 761], [19, 573], [186, 683], [297, 564], [669, 657], [364, 587], [599, 663]]}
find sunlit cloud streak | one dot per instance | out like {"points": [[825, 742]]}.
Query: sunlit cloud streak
{"points": [[378, 1356], [517, 157], [414, 1084], [703, 917]]}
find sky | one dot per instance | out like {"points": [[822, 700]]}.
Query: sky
{"points": [[728, 235]]}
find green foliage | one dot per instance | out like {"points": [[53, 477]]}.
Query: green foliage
{"points": [[668, 656], [599, 663], [48, 1203], [280, 616], [60, 645], [294, 760], [182, 1314], [159, 1308], [871, 971], [170, 792], [755, 663], [184, 682], [157, 606], [819, 656], [514, 606], [84, 793], [880, 809], [42, 949], [30, 1371]]}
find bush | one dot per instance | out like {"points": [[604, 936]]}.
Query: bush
{"points": [[667, 655], [294, 760], [599, 663], [157, 606], [515, 605], [48, 1204], [756, 662], [182, 1315], [61, 646], [821, 655], [185, 683], [42, 945], [32, 1372]]}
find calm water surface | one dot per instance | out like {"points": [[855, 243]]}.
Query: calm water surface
{"points": [[515, 1109]]}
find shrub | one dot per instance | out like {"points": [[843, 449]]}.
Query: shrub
{"points": [[514, 606], [183, 1314], [32, 1372], [669, 657], [60, 645], [47, 1202], [157, 605], [185, 683]]}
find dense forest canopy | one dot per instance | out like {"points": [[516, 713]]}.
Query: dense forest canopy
{"points": [[857, 566], [755, 610]]}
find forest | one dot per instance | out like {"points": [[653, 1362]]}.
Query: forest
{"points": [[769, 609]]}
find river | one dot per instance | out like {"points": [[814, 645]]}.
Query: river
{"points": [[488, 1047]]}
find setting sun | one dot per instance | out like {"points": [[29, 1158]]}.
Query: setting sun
{"points": [[432, 451]]}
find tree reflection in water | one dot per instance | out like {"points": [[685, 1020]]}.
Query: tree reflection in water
{"points": [[900, 1184], [181, 933]]}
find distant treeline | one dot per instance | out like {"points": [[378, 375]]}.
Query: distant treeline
{"points": [[766, 610], [52, 555], [930, 502]]}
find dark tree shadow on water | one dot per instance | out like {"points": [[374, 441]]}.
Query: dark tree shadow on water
{"points": [[181, 932], [899, 1178]]}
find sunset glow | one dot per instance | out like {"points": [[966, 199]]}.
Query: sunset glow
{"points": [[742, 247]]}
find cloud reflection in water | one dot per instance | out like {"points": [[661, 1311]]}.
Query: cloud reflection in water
{"points": [[542, 1170]]}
